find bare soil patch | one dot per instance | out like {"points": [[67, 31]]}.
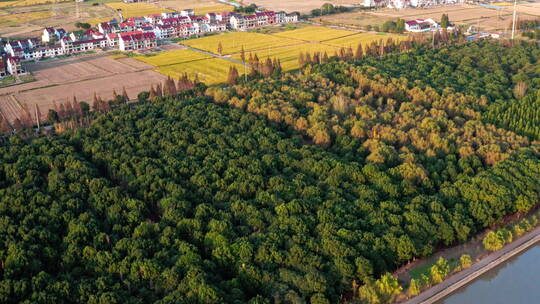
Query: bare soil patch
{"points": [[62, 15], [485, 18], [60, 80]]}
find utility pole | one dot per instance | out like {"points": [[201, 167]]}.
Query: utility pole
{"points": [[514, 20], [77, 9], [37, 117]]}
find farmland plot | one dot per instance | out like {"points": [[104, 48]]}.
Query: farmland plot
{"points": [[173, 57], [210, 71], [315, 33], [233, 42], [364, 39], [137, 9], [213, 9], [289, 55], [60, 80], [16, 19], [25, 3]]}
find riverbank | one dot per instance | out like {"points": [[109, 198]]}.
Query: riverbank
{"points": [[466, 276]]}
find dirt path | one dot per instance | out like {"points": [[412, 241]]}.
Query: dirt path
{"points": [[216, 56], [464, 277]]}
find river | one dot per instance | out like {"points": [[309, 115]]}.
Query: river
{"points": [[516, 281]]}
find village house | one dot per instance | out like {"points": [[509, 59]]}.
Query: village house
{"points": [[421, 25], [136, 40], [104, 28], [44, 52], [137, 33], [224, 17], [52, 35], [291, 18], [187, 13], [3, 72], [154, 18], [165, 31], [13, 65], [280, 17], [112, 40], [127, 27], [137, 20]]}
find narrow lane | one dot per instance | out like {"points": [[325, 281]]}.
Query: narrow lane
{"points": [[215, 55]]}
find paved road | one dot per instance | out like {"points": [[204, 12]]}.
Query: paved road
{"points": [[215, 55], [460, 279]]}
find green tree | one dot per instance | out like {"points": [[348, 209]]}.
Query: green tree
{"points": [[465, 261]]}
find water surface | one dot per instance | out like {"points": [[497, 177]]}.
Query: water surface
{"points": [[516, 281]]}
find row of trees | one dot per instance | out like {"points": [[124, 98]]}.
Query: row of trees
{"points": [[328, 9], [496, 240]]}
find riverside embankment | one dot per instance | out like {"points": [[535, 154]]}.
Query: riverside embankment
{"points": [[458, 280]]}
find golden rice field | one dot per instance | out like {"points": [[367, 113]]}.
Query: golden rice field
{"points": [[288, 56], [173, 57], [210, 71], [213, 9], [233, 42], [315, 33], [502, 4], [138, 9], [364, 39], [4, 4], [15, 19]]}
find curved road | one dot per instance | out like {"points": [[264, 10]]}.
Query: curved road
{"points": [[464, 277]]}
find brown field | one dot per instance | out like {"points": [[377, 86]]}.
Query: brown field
{"points": [[486, 18], [60, 80], [357, 19], [302, 6], [60, 15], [185, 4]]}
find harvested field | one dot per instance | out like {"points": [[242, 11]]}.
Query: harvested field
{"points": [[25, 3], [486, 18], [357, 19], [137, 9], [17, 19], [288, 56], [173, 57], [303, 6], [210, 71], [529, 8], [233, 42], [364, 39], [58, 80], [315, 33], [30, 21], [213, 9], [185, 4]]}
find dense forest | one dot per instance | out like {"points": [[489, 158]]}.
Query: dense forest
{"points": [[295, 188]]}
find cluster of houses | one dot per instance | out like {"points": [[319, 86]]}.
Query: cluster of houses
{"points": [[135, 33], [399, 4]]}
